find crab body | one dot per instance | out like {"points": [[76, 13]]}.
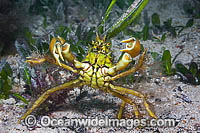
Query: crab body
{"points": [[96, 66], [96, 70]]}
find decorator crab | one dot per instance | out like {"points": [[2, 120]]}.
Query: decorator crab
{"points": [[95, 70]]}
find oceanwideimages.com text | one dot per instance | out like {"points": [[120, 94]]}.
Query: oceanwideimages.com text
{"points": [[46, 121]]}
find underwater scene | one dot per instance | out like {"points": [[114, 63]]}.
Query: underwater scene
{"points": [[84, 66]]}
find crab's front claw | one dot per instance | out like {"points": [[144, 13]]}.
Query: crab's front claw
{"points": [[132, 50], [60, 49], [56, 49], [132, 47]]}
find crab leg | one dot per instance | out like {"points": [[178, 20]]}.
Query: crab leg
{"points": [[45, 95], [119, 116], [134, 93], [125, 100], [132, 70], [35, 61]]}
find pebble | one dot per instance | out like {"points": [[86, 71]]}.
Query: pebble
{"points": [[164, 99], [179, 89], [9, 101], [16, 80], [157, 80], [19, 127], [19, 103]]}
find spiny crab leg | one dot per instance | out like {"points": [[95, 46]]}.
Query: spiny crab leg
{"points": [[34, 61], [45, 95], [134, 93]]}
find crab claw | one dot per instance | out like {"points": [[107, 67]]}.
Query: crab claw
{"points": [[133, 47], [61, 40], [56, 49], [59, 52]]}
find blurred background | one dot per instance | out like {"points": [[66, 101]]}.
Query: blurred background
{"points": [[41, 17]]}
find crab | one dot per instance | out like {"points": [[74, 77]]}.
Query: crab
{"points": [[95, 70]]}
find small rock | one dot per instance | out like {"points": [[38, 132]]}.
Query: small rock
{"points": [[157, 100], [164, 79], [19, 127], [19, 103], [9, 101], [176, 76], [197, 126], [5, 118], [164, 99], [16, 80], [157, 80], [179, 89]]}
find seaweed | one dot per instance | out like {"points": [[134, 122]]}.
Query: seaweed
{"points": [[192, 9], [5, 79], [189, 75], [154, 31], [6, 82], [166, 61], [127, 17]]}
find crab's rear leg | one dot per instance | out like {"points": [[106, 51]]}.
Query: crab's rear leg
{"points": [[124, 101], [45, 95], [126, 91], [119, 116]]}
